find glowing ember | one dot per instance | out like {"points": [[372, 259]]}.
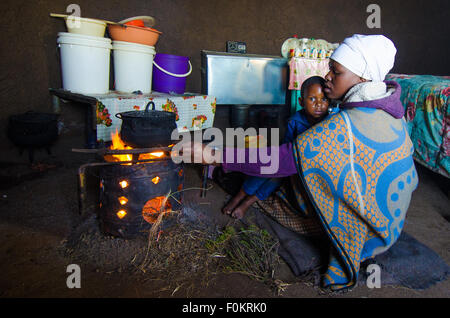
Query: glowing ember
{"points": [[121, 214], [154, 206], [123, 200], [157, 154], [123, 184], [155, 180], [151, 155]]}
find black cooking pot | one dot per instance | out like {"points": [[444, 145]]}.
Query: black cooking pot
{"points": [[148, 128], [33, 129]]}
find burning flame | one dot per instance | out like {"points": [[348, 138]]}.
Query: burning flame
{"points": [[118, 144]]}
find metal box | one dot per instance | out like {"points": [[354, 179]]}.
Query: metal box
{"points": [[249, 79]]}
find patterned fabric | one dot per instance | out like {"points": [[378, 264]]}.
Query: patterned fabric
{"points": [[193, 112], [299, 218], [360, 174], [426, 98], [301, 69]]}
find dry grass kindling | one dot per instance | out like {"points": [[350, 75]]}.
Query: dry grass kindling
{"points": [[178, 253], [249, 251]]}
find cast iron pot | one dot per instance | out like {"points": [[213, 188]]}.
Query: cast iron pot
{"points": [[33, 129], [148, 128]]}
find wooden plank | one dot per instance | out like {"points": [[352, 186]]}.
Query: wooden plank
{"points": [[68, 95], [91, 112]]}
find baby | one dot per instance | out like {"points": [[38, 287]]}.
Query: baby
{"points": [[315, 108]]}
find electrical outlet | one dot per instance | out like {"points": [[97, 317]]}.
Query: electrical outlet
{"points": [[236, 47]]}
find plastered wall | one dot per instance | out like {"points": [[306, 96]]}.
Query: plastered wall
{"points": [[29, 62]]}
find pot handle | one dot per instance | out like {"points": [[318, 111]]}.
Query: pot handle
{"points": [[148, 104], [132, 123], [172, 74]]}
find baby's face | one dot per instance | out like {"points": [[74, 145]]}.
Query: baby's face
{"points": [[315, 101]]}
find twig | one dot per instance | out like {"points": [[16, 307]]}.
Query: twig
{"points": [[193, 188], [176, 289], [155, 227]]}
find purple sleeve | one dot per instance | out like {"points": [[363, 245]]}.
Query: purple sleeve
{"points": [[275, 162]]}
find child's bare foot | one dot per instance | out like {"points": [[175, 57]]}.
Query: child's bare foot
{"points": [[228, 209], [239, 212]]}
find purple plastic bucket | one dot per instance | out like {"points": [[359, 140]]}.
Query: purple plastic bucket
{"points": [[170, 72]]}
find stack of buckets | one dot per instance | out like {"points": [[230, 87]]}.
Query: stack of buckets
{"points": [[85, 66]]}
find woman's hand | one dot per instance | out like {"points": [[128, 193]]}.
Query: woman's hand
{"points": [[204, 154]]}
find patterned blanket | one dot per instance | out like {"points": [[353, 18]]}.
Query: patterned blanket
{"points": [[359, 180], [425, 99]]}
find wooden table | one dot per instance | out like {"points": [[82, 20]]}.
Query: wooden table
{"points": [[193, 111]]}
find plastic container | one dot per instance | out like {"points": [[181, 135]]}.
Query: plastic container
{"points": [[138, 23], [84, 63], [85, 26], [147, 21], [288, 45], [170, 72], [133, 66], [135, 34]]}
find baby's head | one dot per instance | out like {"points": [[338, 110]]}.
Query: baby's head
{"points": [[358, 59], [313, 98]]}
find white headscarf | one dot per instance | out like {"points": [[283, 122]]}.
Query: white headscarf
{"points": [[368, 56]]}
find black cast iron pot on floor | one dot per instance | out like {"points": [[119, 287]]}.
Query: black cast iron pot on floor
{"points": [[148, 128], [33, 130]]}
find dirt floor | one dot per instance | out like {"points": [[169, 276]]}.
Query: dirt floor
{"points": [[41, 233]]}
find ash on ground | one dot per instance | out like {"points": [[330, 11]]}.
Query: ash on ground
{"points": [[176, 252]]}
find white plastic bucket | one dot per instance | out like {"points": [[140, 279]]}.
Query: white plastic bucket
{"points": [[84, 63], [133, 66]]}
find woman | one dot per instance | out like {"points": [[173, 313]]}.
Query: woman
{"points": [[355, 172]]}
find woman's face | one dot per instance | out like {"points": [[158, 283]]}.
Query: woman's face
{"points": [[339, 80], [315, 102]]}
